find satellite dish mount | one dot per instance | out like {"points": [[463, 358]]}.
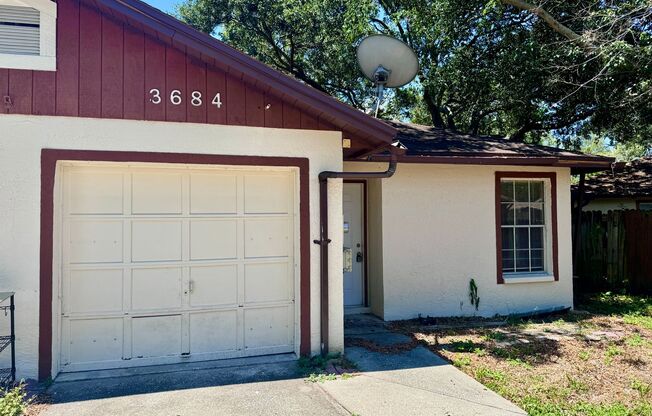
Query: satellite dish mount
{"points": [[387, 62]]}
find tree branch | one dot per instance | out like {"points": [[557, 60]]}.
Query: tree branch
{"points": [[557, 26]]}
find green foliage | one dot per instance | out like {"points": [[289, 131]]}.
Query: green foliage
{"points": [[485, 67], [641, 387], [473, 294], [321, 378], [635, 310], [13, 402], [462, 362]]}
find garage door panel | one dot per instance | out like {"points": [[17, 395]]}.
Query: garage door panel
{"points": [[93, 291], [212, 332], [95, 192], [267, 194], [214, 239], [156, 288], [214, 285], [156, 193], [267, 237], [267, 327], [95, 241], [93, 340], [213, 194], [156, 336], [156, 240], [159, 261], [267, 282]]}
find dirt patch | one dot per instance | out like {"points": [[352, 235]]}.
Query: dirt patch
{"points": [[571, 364]]}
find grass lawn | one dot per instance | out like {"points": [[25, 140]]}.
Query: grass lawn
{"points": [[595, 361]]}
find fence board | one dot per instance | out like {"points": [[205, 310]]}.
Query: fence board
{"points": [[615, 251]]}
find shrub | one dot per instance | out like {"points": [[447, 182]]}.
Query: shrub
{"points": [[13, 402]]}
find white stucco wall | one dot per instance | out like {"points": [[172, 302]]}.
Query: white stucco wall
{"points": [[438, 228], [23, 137], [610, 204]]}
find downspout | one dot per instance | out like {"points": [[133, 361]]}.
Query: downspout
{"points": [[324, 241]]}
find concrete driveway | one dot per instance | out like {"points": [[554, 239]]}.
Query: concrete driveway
{"points": [[411, 382]]}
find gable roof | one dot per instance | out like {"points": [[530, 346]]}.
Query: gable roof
{"points": [[172, 31], [426, 144], [632, 179]]}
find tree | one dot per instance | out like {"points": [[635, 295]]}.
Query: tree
{"points": [[505, 67]]}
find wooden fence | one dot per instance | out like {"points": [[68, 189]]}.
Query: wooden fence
{"points": [[614, 252]]}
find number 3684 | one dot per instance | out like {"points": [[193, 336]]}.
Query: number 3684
{"points": [[176, 98]]}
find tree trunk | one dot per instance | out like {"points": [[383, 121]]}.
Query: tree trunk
{"points": [[433, 109]]}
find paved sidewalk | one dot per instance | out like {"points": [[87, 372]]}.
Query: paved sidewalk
{"points": [[412, 382]]}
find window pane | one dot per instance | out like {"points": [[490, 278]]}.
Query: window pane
{"points": [[536, 191], [522, 193], [507, 191], [522, 237], [536, 211], [508, 260], [507, 213], [537, 260], [522, 260], [522, 214], [536, 237], [508, 238]]}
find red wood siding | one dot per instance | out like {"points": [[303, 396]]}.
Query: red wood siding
{"points": [[106, 69]]}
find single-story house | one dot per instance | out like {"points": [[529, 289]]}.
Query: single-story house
{"points": [[624, 186], [165, 199]]}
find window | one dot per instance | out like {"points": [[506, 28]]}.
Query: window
{"points": [[526, 227], [28, 34], [523, 225]]}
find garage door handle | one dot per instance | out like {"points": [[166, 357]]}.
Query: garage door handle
{"points": [[191, 286]]}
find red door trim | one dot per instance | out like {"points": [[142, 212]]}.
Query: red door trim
{"points": [[552, 176], [49, 159]]}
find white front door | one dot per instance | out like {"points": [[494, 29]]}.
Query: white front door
{"points": [[163, 264], [353, 204]]}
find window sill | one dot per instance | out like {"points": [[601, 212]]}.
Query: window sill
{"points": [[528, 278], [28, 62]]}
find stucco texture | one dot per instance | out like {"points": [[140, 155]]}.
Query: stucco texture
{"points": [[23, 137], [438, 232]]}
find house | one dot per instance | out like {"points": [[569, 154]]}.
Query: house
{"points": [[166, 199], [624, 186]]}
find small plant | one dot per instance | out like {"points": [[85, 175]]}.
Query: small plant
{"points": [[12, 402], [519, 363], [495, 336], [473, 294], [641, 387], [577, 385], [321, 378], [634, 340], [584, 355], [462, 362]]}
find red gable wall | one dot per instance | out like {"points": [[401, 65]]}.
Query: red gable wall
{"points": [[106, 69]]}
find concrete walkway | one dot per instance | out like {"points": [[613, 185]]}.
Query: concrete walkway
{"points": [[411, 382]]}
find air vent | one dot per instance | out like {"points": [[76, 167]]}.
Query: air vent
{"points": [[19, 30]]}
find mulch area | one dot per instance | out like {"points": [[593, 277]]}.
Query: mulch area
{"points": [[572, 364]]}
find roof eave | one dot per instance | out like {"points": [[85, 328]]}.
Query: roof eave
{"points": [[580, 164]]}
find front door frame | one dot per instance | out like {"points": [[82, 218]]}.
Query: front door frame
{"points": [[49, 159], [365, 234]]}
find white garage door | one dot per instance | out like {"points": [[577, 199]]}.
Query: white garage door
{"points": [[168, 264]]}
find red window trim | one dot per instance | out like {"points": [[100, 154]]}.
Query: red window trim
{"points": [[49, 159], [552, 176]]}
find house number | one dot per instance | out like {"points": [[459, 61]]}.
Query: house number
{"points": [[176, 98]]}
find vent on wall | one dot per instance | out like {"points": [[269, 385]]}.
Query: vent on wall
{"points": [[19, 30]]}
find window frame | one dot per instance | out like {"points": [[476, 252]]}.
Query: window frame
{"points": [[46, 60], [523, 276]]}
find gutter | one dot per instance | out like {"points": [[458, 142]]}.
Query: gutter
{"points": [[324, 241]]}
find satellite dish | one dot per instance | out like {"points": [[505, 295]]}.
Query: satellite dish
{"points": [[387, 62]]}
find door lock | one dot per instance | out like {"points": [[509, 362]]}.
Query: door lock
{"points": [[358, 257]]}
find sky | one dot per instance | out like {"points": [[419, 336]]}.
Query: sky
{"points": [[165, 5]]}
